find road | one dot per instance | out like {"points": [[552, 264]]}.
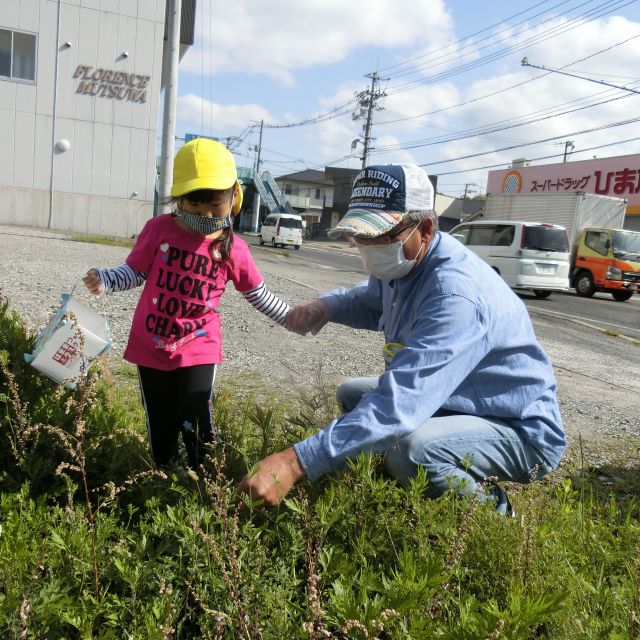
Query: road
{"points": [[601, 311]]}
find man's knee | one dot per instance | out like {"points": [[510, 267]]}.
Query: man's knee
{"points": [[399, 463], [342, 397], [403, 460], [350, 391]]}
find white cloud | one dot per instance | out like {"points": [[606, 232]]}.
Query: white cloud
{"points": [[276, 38], [193, 110]]}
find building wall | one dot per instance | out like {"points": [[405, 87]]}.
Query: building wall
{"points": [[104, 182], [303, 194]]}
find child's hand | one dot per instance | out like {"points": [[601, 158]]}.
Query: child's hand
{"points": [[93, 283], [308, 316]]}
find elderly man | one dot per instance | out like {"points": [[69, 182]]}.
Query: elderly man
{"points": [[467, 393]]}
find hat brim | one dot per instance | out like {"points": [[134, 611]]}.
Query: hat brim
{"points": [[217, 183], [366, 223]]}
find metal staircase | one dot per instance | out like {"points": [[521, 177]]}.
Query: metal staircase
{"points": [[284, 206], [269, 191], [267, 198]]}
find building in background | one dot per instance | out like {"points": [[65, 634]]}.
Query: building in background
{"points": [[80, 84], [452, 210], [618, 176], [306, 191]]}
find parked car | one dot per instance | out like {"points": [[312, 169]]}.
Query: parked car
{"points": [[282, 229], [530, 256]]}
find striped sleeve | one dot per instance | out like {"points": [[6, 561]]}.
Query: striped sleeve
{"points": [[268, 303], [121, 278]]}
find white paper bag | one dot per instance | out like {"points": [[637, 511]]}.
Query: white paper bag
{"points": [[73, 338]]}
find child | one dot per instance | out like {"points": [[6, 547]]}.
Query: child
{"points": [[185, 260]]}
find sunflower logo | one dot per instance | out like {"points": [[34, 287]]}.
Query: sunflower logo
{"points": [[512, 182]]}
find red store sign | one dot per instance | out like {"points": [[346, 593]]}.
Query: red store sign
{"points": [[619, 177]]}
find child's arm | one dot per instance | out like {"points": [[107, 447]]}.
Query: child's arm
{"points": [[120, 278], [268, 303]]}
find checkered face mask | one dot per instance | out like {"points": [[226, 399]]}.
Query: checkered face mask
{"points": [[204, 226]]}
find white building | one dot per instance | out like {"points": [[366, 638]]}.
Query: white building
{"points": [[80, 85]]}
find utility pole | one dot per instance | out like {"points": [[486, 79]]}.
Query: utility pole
{"points": [[567, 145], [259, 149], [174, 14], [367, 100], [367, 126], [256, 176], [466, 188]]}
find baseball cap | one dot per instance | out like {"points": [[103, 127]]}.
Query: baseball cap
{"points": [[380, 198], [203, 164]]}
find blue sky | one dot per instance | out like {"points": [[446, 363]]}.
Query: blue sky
{"points": [[285, 62]]}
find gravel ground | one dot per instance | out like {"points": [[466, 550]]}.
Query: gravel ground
{"points": [[36, 266]]}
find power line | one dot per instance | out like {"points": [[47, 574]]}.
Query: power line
{"points": [[610, 6], [457, 51], [555, 155], [345, 108], [513, 86], [526, 63], [340, 110], [536, 39], [542, 141], [502, 125], [475, 133]]}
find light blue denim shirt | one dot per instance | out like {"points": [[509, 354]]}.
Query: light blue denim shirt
{"points": [[469, 347]]}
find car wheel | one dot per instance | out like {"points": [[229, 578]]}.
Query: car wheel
{"points": [[297, 247], [539, 293], [261, 241], [621, 296], [273, 242], [584, 284]]}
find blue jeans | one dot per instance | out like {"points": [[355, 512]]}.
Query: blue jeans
{"points": [[457, 451]]}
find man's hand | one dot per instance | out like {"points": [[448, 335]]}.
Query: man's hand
{"points": [[93, 283], [271, 478], [308, 316]]}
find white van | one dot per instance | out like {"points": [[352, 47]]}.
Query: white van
{"points": [[528, 255], [283, 229]]}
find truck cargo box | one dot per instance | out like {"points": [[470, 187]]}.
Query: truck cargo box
{"points": [[572, 210]]}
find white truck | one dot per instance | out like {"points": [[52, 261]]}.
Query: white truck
{"points": [[603, 256]]}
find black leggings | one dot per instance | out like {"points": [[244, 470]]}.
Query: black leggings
{"points": [[177, 402]]}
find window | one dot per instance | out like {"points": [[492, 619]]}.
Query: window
{"points": [[597, 240], [503, 236], [17, 55], [319, 194], [482, 235], [545, 238], [461, 234], [287, 189], [291, 223], [626, 244], [270, 221]]}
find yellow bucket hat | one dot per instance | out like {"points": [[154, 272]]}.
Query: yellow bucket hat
{"points": [[205, 164]]}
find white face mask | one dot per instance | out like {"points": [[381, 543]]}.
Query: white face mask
{"points": [[387, 261]]}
